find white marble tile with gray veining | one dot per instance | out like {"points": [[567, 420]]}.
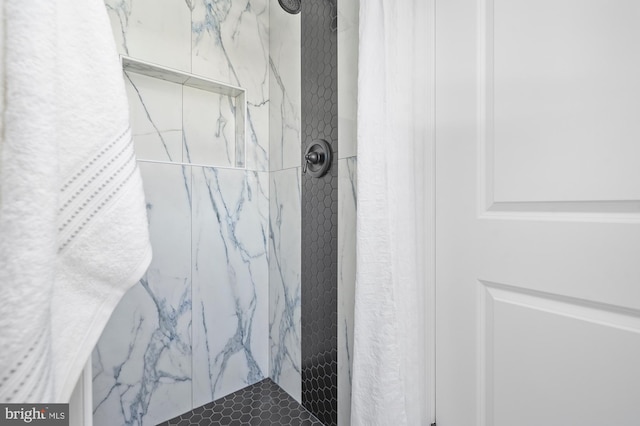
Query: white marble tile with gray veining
{"points": [[230, 281], [142, 362], [209, 128], [284, 280], [285, 88], [157, 31], [156, 117], [347, 135], [347, 76], [230, 43], [346, 282]]}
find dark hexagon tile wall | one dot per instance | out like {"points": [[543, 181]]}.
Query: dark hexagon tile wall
{"points": [[261, 404], [320, 213]]}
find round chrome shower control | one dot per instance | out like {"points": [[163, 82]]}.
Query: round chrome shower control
{"points": [[317, 158]]}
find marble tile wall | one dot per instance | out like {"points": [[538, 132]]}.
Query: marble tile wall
{"points": [[142, 372], [229, 249], [285, 201], [230, 43], [347, 197], [347, 76], [284, 61], [226, 40], [284, 281], [209, 135], [156, 31], [220, 306], [197, 326]]}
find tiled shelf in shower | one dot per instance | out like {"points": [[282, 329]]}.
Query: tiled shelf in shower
{"points": [[198, 90]]}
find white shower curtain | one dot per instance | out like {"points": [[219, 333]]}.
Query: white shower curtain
{"points": [[389, 372]]}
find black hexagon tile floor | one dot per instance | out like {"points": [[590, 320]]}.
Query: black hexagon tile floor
{"points": [[261, 404]]}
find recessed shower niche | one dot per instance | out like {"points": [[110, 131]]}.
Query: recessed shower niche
{"points": [[202, 120]]}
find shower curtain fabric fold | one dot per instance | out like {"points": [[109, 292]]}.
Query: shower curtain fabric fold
{"points": [[73, 226], [389, 357]]}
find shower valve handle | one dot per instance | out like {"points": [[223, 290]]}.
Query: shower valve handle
{"points": [[313, 158], [317, 159]]}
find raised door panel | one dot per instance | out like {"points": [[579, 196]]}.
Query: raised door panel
{"points": [[561, 103], [556, 360]]}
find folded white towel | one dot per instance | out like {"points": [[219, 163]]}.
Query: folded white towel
{"points": [[73, 227]]}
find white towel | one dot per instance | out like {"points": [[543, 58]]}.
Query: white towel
{"points": [[73, 226]]}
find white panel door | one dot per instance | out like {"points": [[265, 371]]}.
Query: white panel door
{"points": [[537, 142]]}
